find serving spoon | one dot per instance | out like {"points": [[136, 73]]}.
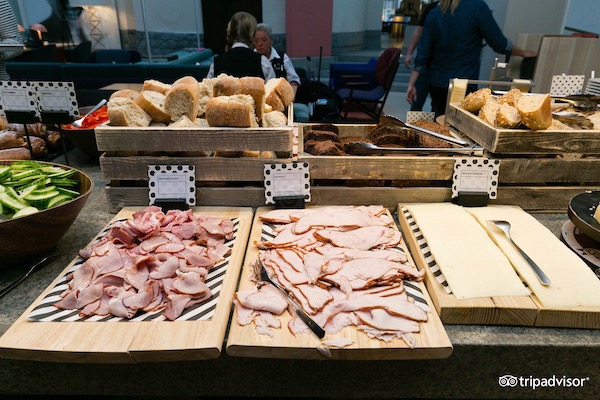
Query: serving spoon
{"points": [[79, 122], [504, 226]]}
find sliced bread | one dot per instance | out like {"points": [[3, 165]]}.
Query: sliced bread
{"points": [[489, 111], [154, 104], [156, 86], [535, 111], [507, 116], [122, 111], [511, 97], [278, 93], [236, 111], [183, 99]]}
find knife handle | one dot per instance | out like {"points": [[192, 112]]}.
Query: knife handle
{"points": [[317, 330]]}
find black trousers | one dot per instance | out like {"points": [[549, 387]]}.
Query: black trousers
{"points": [[439, 97]]}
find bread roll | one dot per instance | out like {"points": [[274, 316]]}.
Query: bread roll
{"points": [[489, 111], [156, 86], [15, 153], [535, 111], [226, 86], [254, 87], [511, 97], [236, 111], [154, 105], [129, 93], [3, 122], [279, 93], [183, 98], [475, 101], [274, 118], [122, 111], [507, 116]]}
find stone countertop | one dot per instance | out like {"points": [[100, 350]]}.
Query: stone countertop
{"points": [[482, 354]]}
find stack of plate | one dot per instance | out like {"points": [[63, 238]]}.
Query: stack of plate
{"points": [[593, 86], [582, 232]]}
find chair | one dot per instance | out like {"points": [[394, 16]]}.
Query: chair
{"points": [[115, 56], [364, 87]]}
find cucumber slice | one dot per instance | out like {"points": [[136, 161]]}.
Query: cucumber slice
{"points": [[69, 192], [25, 211], [11, 202], [4, 172], [56, 200], [41, 200]]}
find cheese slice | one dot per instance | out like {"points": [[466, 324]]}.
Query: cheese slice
{"points": [[469, 260], [573, 282]]}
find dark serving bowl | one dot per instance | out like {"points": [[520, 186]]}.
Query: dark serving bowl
{"points": [[25, 237]]}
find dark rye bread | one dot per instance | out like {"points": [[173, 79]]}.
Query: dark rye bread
{"points": [[323, 148], [406, 140], [313, 134], [325, 127], [353, 139]]}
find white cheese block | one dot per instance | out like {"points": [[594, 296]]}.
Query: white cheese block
{"points": [[573, 282], [469, 260]]}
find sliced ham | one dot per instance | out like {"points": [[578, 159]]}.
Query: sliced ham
{"points": [[349, 218], [267, 298], [364, 238]]}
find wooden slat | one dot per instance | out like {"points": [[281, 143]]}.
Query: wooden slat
{"points": [[131, 342], [244, 341], [207, 168], [543, 198], [161, 139], [521, 141]]}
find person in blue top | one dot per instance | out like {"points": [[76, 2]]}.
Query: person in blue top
{"points": [[451, 45]]}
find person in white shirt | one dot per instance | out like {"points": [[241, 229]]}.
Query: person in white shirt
{"points": [[263, 44], [239, 60]]}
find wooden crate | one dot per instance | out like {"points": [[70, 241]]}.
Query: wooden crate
{"points": [[523, 141], [127, 342], [537, 183], [128, 151]]}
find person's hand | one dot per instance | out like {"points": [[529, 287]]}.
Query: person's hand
{"points": [[411, 94], [529, 53], [408, 60]]}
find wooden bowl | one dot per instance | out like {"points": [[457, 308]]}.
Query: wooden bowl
{"points": [[23, 238]]}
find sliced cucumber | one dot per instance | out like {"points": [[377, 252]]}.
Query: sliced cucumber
{"points": [[59, 199], [11, 202], [25, 211]]}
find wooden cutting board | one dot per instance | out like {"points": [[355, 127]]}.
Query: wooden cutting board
{"points": [[515, 311], [132, 341], [244, 341]]}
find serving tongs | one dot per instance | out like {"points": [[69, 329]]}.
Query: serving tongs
{"points": [[262, 275], [362, 148], [579, 102], [390, 120]]}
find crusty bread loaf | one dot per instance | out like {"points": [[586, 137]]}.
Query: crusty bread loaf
{"points": [[183, 98], [236, 111], [122, 111], [489, 111], [129, 93], [226, 85], [156, 86], [507, 116], [475, 101], [279, 93], [274, 118], [154, 105], [535, 111], [511, 97]]}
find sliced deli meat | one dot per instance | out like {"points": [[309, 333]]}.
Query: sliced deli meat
{"points": [[153, 262], [343, 266]]}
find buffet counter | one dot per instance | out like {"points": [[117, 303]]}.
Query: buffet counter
{"points": [[486, 362]]}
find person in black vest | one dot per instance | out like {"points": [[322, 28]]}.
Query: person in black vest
{"points": [[239, 59], [263, 44]]}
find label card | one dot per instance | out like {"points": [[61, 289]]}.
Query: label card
{"points": [[475, 175], [57, 97], [290, 179], [172, 182], [18, 96]]}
